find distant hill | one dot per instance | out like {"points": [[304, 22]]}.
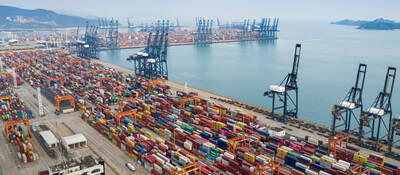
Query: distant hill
{"points": [[348, 22], [380, 24], [377, 24], [13, 17]]}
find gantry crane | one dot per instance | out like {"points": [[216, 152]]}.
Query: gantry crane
{"points": [[105, 79], [156, 82], [351, 102], [15, 64], [382, 106], [336, 140], [121, 102], [7, 98], [184, 100], [96, 71], [271, 167], [284, 89], [232, 143], [151, 62], [7, 75], [119, 115], [395, 131], [60, 80], [58, 99], [21, 67], [74, 62], [359, 170], [190, 168], [14, 123]]}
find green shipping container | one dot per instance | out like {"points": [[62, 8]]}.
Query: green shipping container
{"points": [[371, 165]]}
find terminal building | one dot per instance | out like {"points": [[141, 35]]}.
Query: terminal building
{"points": [[74, 142], [88, 165]]}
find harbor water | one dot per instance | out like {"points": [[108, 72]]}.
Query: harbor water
{"points": [[328, 64]]}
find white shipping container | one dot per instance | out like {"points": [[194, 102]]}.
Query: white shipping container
{"points": [[344, 163], [158, 169], [339, 167], [311, 172], [300, 165], [187, 145], [323, 173]]}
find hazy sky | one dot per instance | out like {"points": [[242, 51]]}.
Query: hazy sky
{"points": [[289, 10]]}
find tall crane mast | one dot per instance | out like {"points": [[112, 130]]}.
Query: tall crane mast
{"points": [[286, 91], [371, 120], [351, 102]]}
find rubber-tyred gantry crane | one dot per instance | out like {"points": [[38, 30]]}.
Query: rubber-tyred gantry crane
{"points": [[96, 71], [284, 91], [6, 98], [336, 140], [271, 167], [14, 123], [58, 99], [60, 80], [184, 100], [188, 169], [121, 102], [105, 79], [345, 110], [371, 120], [127, 113], [232, 143]]}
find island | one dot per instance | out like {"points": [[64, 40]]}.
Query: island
{"points": [[377, 24]]}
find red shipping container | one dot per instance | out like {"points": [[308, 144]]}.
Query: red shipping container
{"points": [[297, 172]]}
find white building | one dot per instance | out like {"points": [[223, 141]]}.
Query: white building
{"points": [[87, 165], [50, 139], [74, 142]]}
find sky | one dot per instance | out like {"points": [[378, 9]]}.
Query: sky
{"points": [[225, 10]]}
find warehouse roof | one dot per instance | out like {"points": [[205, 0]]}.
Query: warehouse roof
{"points": [[78, 138], [49, 137]]}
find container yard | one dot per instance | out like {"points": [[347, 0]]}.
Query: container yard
{"points": [[157, 126], [66, 112]]}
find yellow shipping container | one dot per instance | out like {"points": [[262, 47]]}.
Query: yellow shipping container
{"points": [[197, 119], [131, 128], [156, 129], [102, 121], [134, 157], [356, 158], [221, 151], [240, 124], [279, 156], [251, 158], [130, 142], [363, 159], [281, 152], [192, 158], [326, 160], [148, 134], [177, 154], [219, 125], [112, 130], [196, 132], [202, 157]]}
